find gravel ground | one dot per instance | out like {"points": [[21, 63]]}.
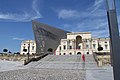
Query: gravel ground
{"points": [[56, 68], [43, 74]]}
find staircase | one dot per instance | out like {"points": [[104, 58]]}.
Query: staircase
{"points": [[65, 62]]}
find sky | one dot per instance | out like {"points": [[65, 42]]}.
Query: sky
{"points": [[70, 15]]}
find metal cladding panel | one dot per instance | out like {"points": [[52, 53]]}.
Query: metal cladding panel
{"points": [[115, 42], [47, 37]]}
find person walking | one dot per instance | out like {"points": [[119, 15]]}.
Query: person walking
{"points": [[83, 57], [83, 61]]}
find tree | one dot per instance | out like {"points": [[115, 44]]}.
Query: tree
{"points": [[100, 48], [5, 50], [18, 52], [50, 50], [9, 52]]}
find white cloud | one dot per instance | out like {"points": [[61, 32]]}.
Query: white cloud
{"points": [[66, 25], [92, 25], [94, 11], [25, 16], [93, 19], [16, 38], [36, 9], [65, 14], [98, 29], [97, 4]]}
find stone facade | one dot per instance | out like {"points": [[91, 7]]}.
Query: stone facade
{"points": [[25, 45], [81, 43], [76, 43]]}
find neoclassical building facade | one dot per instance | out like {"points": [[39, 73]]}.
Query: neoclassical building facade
{"points": [[30, 45], [81, 43], [75, 43]]}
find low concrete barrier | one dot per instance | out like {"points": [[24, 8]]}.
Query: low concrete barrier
{"points": [[34, 59]]}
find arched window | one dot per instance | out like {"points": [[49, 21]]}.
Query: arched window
{"points": [[70, 53], [78, 41], [87, 52], [64, 53], [78, 53]]}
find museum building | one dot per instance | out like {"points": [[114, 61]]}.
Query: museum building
{"points": [[63, 42], [82, 43]]}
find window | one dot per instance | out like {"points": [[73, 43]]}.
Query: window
{"points": [[70, 47], [87, 52], [64, 47], [87, 46], [105, 41], [79, 47], [70, 53], [106, 46], [33, 47], [69, 41], [60, 48], [24, 44], [24, 47], [94, 46], [59, 53]]}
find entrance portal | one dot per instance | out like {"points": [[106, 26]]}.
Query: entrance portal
{"points": [[78, 41], [78, 53]]}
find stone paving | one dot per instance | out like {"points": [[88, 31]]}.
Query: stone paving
{"points": [[53, 68]]}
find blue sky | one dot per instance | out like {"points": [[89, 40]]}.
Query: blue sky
{"points": [[70, 15]]}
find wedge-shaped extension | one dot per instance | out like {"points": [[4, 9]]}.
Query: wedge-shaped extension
{"points": [[47, 37]]}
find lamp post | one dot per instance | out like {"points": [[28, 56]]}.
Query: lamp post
{"points": [[114, 37], [28, 49]]}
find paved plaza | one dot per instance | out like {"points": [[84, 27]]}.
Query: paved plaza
{"points": [[64, 67]]}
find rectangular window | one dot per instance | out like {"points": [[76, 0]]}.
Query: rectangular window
{"points": [[64, 47], [79, 47], [33, 47], [87, 46], [70, 47], [106, 46], [94, 46], [23, 47], [60, 48]]}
